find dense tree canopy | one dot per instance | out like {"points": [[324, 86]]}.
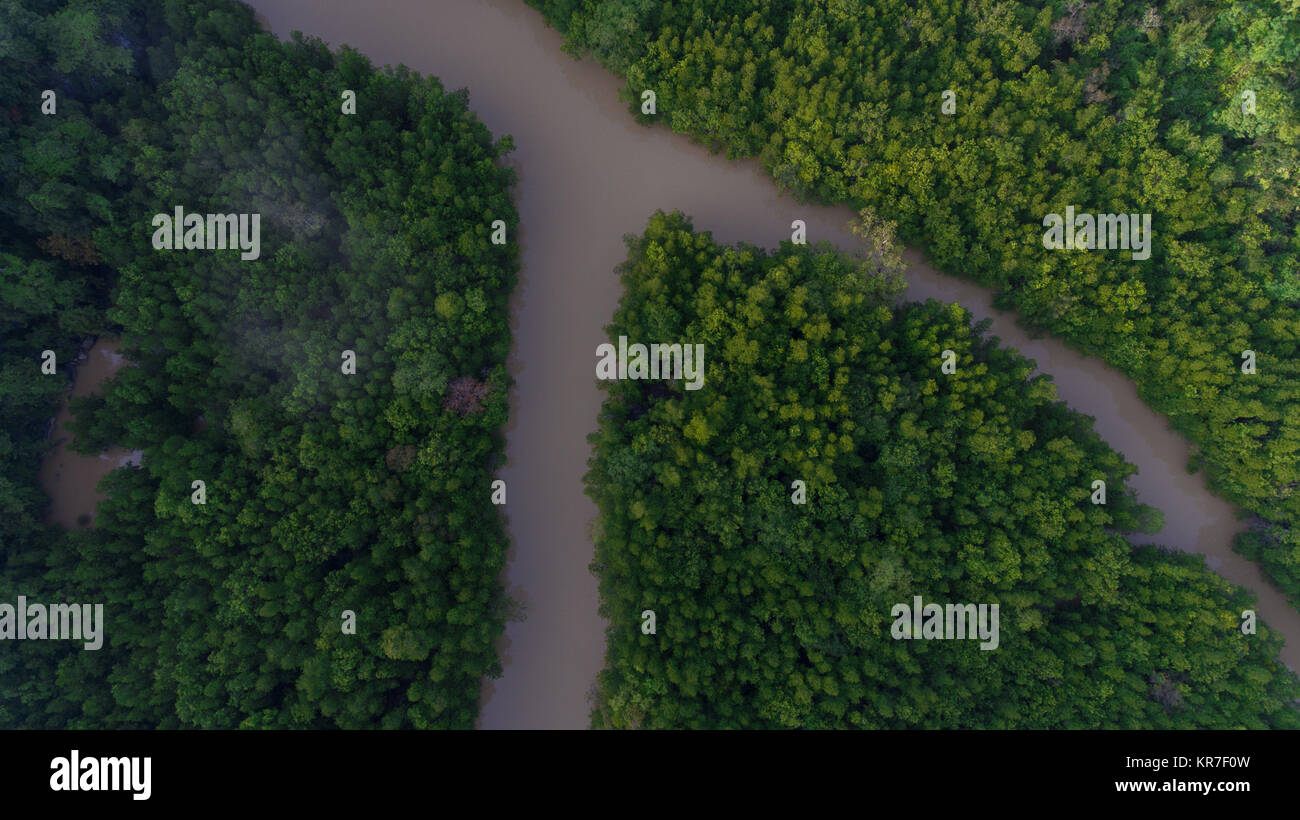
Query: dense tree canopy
{"points": [[1184, 109], [964, 487], [326, 490]]}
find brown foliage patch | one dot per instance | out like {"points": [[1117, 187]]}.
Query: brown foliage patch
{"points": [[1073, 25], [400, 457], [465, 395], [77, 250]]}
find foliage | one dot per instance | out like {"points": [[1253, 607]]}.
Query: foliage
{"points": [[972, 487], [325, 491]]}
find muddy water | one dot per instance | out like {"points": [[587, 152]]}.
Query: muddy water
{"points": [[69, 479], [589, 175]]}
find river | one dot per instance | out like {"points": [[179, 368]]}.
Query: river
{"points": [[588, 175], [70, 479]]}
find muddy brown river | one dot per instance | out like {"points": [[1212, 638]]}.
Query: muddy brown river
{"points": [[70, 479], [588, 174]]}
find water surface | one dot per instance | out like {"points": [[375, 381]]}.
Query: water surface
{"points": [[70, 479]]}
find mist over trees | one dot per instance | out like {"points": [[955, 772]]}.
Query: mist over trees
{"points": [[325, 491]]}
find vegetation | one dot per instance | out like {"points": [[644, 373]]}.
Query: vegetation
{"points": [[972, 487], [1110, 106], [325, 491]]}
